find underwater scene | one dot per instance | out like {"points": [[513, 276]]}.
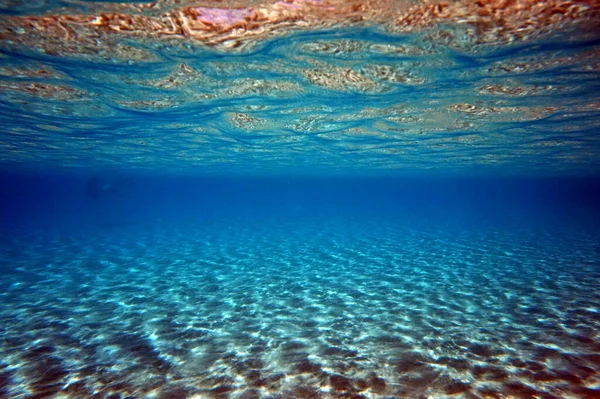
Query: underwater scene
{"points": [[300, 199]]}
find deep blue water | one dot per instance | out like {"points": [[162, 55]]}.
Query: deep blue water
{"points": [[64, 201]]}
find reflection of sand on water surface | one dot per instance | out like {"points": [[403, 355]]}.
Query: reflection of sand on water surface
{"points": [[235, 25], [424, 85]]}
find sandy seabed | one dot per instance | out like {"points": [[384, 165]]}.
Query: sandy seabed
{"points": [[353, 309]]}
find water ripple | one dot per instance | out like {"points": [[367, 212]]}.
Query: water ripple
{"points": [[352, 100]]}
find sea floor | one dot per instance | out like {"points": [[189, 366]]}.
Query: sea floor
{"points": [[315, 308]]}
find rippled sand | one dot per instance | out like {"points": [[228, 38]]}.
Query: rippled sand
{"points": [[343, 309]]}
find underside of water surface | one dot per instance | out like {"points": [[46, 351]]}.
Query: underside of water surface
{"points": [[299, 199]]}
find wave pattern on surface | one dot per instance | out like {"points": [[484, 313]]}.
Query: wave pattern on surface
{"points": [[355, 100]]}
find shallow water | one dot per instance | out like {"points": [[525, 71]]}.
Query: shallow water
{"points": [[315, 289], [299, 199]]}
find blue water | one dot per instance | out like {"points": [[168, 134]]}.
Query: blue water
{"points": [[251, 287], [335, 214], [357, 102]]}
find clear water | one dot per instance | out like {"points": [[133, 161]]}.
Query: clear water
{"points": [[330, 214], [301, 288], [325, 102]]}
